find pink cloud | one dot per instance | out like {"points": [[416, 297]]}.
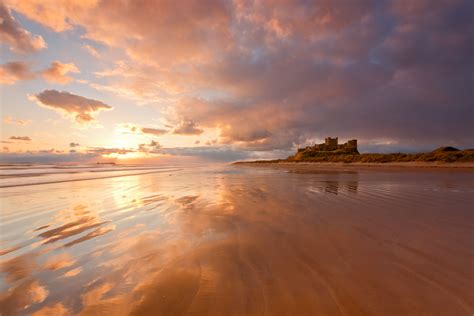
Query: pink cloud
{"points": [[81, 108], [153, 131], [14, 71], [14, 35], [187, 127], [56, 73]]}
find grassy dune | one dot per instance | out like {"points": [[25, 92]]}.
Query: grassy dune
{"points": [[442, 154]]}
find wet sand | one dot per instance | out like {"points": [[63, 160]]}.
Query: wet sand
{"points": [[309, 166], [241, 241]]}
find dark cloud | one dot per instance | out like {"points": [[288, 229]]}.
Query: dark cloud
{"points": [[81, 108], [50, 151], [14, 71], [109, 151], [25, 138], [187, 127], [152, 147], [72, 144], [14, 35], [153, 131], [129, 128], [386, 72]]}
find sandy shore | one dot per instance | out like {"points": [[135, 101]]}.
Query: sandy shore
{"points": [[319, 166], [241, 241]]}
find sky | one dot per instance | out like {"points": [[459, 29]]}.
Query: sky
{"points": [[202, 80]]}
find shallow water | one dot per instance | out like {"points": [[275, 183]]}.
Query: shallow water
{"points": [[235, 240]]}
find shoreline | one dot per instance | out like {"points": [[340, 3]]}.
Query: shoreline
{"points": [[318, 166]]}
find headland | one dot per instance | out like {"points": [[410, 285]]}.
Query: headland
{"points": [[334, 155]]}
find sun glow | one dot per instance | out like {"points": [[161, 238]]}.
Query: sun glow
{"points": [[130, 155]]}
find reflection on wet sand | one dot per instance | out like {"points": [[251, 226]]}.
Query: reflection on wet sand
{"points": [[334, 187], [240, 242]]}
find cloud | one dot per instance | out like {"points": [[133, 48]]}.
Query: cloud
{"points": [[11, 120], [14, 71], [153, 131], [80, 108], [108, 151], [74, 144], [129, 128], [222, 153], [278, 75], [25, 138], [152, 147], [13, 34], [56, 73], [186, 127], [91, 50]]}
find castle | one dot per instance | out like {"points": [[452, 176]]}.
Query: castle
{"points": [[331, 144]]}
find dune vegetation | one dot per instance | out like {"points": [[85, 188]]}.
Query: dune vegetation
{"points": [[442, 154]]}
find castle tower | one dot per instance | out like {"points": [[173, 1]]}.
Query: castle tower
{"points": [[331, 143], [352, 143]]}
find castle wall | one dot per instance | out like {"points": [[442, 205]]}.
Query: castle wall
{"points": [[331, 144]]}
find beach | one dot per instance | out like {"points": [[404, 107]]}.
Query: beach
{"points": [[236, 240], [315, 166]]}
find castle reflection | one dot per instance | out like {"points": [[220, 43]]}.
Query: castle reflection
{"points": [[336, 187]]}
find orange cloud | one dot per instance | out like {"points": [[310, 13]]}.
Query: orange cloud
{"points": [[187, 127], [81, 108], [14, 71], [25, 138], [128, 128], [153, 131], [57, 15], [190, 29], [11, 120], [19, 39], [56, 73]]}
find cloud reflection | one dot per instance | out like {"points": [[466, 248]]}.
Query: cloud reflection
{"points": [[243, 243]]}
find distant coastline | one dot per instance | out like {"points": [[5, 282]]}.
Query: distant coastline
{"points": [[443, 157]]}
